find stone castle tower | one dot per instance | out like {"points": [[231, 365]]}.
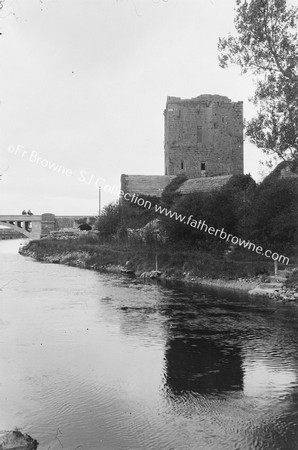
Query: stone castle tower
{"points": [[203, 136]]}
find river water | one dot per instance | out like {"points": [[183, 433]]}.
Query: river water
{"points": [[102, 362]]}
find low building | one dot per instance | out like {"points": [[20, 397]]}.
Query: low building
{"points": [[153, 185]]}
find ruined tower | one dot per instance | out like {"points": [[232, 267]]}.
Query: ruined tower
{"points": [[203, 136]]}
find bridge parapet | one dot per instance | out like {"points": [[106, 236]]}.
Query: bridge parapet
{"points": [[19, 218]]}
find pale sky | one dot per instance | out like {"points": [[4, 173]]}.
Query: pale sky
{"points": [[83, 85]]}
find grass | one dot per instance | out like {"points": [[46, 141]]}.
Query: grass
{"points": [[292, 282], [172, 261]]}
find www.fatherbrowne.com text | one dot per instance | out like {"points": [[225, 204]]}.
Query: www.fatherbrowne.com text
{"points": [[202, 226]]}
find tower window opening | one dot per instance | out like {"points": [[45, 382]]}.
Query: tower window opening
{"points": [[182, 165], [203, 169]]}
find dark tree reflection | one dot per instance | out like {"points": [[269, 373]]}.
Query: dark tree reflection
{"points": [[201, 365]]}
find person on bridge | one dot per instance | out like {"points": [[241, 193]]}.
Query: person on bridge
{"points": [[29, 213], [24, 212]]}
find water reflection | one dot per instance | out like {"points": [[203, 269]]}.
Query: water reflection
{"points": [[244, 355], [261, 380], [229, 362], [200, 365], [202, 353], [115, 364]]}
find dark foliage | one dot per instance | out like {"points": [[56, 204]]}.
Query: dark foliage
{"points": [[226, 208], [109, 220], [267, 215], [170, 194], [275, 214], [134, 216]]}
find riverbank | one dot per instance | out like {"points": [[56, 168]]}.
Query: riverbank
{"points": [[190, 267]]}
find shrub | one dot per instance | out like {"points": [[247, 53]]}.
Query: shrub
{"points": [[109, 220], [170, 194]]}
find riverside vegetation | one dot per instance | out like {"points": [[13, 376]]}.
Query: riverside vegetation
{"points": [[135, 240]]}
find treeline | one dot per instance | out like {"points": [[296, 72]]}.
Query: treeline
{"points": [[266, 214]]}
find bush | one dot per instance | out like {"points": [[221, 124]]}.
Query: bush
{"points": [[134, 216], [226, 208], [170, 194], [275, 214], [109, 220]]}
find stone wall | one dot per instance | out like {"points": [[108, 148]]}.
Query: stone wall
{"points": [[50, 222], [47, 223], [64, 222], [203, 136]]}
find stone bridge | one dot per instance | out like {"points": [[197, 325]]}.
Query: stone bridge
{"points": [[35, 227]]}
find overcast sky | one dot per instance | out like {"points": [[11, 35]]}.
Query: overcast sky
{"points": [[83, 85]]}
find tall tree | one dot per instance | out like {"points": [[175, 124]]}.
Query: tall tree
{"points": [[266, 45]]}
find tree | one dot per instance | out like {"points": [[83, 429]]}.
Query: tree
{"points": [[231, 205], [266, 46], [275, 214], [109, 220], [226, 208], [169, 194], [135, 216]]}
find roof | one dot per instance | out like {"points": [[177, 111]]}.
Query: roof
{"points": [[203, 184], [151, 185], [284, 169], [287, 171]]}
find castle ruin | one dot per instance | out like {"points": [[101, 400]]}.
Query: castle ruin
{"points": [[203, 136], [203, 140]]}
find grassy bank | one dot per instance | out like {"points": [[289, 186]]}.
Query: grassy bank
{"points": [[174, 263]]}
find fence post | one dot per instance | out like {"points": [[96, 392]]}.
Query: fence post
{"points": [[275, 268]]}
